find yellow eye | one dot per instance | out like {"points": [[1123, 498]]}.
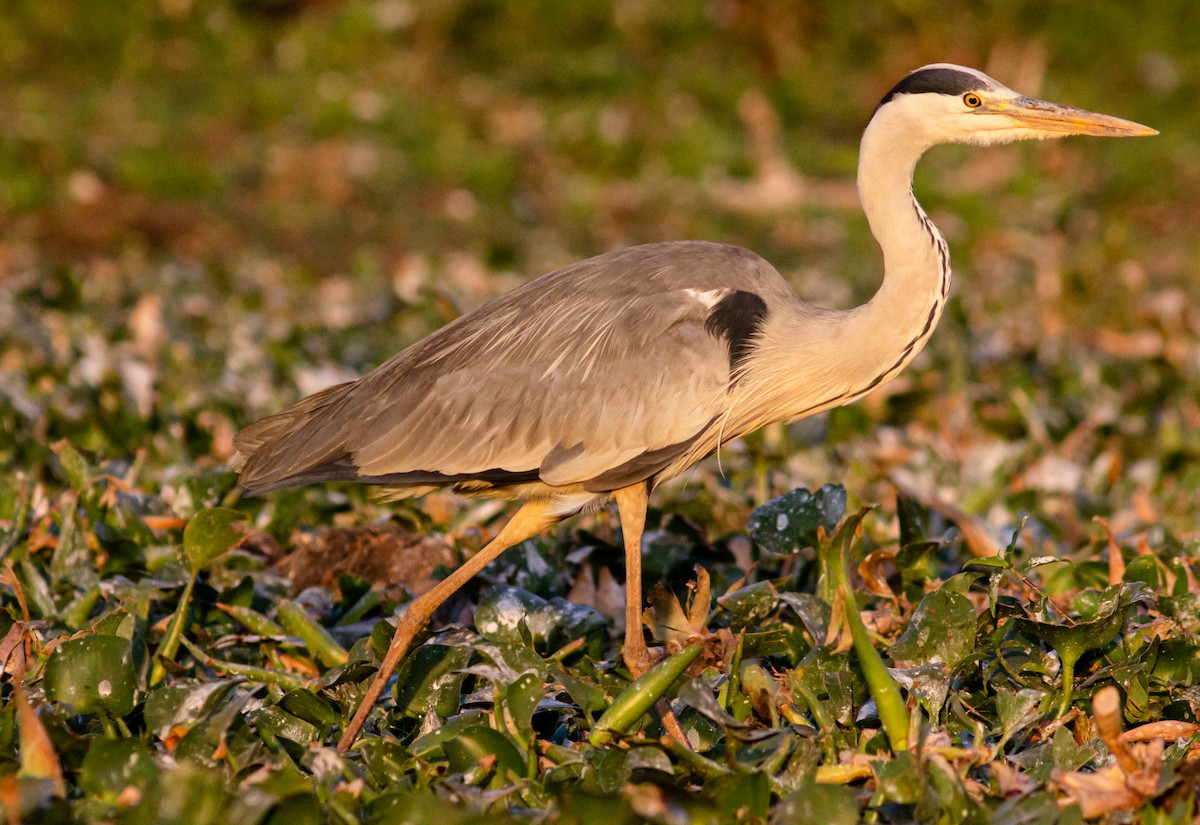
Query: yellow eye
{"points": [[972, 100]]}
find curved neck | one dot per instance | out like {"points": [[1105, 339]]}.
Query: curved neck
{"points": [[895, 324], [814, 359]]}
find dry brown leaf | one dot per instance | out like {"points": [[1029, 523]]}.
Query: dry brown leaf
{"points": [[1166, 729], [1102, 792], [38, 757], [583, 587], [874, 576], [1116, 562], [1010, 781]]}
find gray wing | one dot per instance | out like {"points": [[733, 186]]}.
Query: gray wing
{"points": [[598, 374]]}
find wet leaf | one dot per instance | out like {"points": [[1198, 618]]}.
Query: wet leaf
{"points": [[429, 679], [819, 803], [480, 745], [942, 629], [177, 707], [749, 606], [113, 765], [93, 674], [504, 611], [789, 523]]}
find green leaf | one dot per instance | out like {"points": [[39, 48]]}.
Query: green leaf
{"points": [[790, 523], [92, 674], [209, 534], [479, 742], [519, 700], [815, 802], [505, 613], [429, 678], [277, 722], [74, 465], [112, 765], [749, 606], [179, 706], [942, 629]]}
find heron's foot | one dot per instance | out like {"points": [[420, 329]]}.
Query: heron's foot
{"points": [[638, 657]]}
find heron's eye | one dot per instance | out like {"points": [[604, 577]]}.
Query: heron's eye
{"points": [[972, 100]]}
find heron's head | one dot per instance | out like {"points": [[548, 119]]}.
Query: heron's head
{"points": [[943, 103]]}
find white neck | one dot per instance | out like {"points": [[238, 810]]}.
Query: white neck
{"points": [[834, 357], [899, 319]]}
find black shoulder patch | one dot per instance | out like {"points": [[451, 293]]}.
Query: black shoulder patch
{"points": [[941, 81], [737, 318]]}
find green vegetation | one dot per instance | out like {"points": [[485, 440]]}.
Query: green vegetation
{"points": [[210, 208]]}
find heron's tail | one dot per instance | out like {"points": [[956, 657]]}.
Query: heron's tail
{"points": [[268, 453]]}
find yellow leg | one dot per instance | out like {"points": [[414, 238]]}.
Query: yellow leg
{"points": [[631, 505], [533, 518]]}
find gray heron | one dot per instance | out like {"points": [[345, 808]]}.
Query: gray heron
{"points": [[601, 380]]}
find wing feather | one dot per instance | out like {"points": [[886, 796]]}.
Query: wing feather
{"points": [[604, 367]]}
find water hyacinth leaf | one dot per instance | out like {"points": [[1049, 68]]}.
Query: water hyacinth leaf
{"points": [[814, 613], [897, 780], [504, 611], [1176, 662], [1016, 710], [179, 706], [741, 797], [790, 522], [587, 697], [478, 744], [929, 683], [520, 699], [429, 679], [314, 709], [386, 761], [210, 533], [942, 629], [213, 739], [412, 808], [430, 744], [1145, 569], [276, 722], [827, 681], [816, 802], [749, 606], [696, 694], [1070, 642], [92, 674], [113, 765], [194, 795]]}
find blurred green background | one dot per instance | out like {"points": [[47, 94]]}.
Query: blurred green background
{"points": [[209, 208]]}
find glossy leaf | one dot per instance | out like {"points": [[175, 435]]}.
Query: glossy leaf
{"points": [[93, 674], [209, 534], [790, 523]]}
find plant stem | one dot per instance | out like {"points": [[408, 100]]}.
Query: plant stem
{"points": [[892, 711], [170, 643]]}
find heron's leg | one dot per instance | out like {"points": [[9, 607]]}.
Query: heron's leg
{"points": [[631, 505], [531, 519]]}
